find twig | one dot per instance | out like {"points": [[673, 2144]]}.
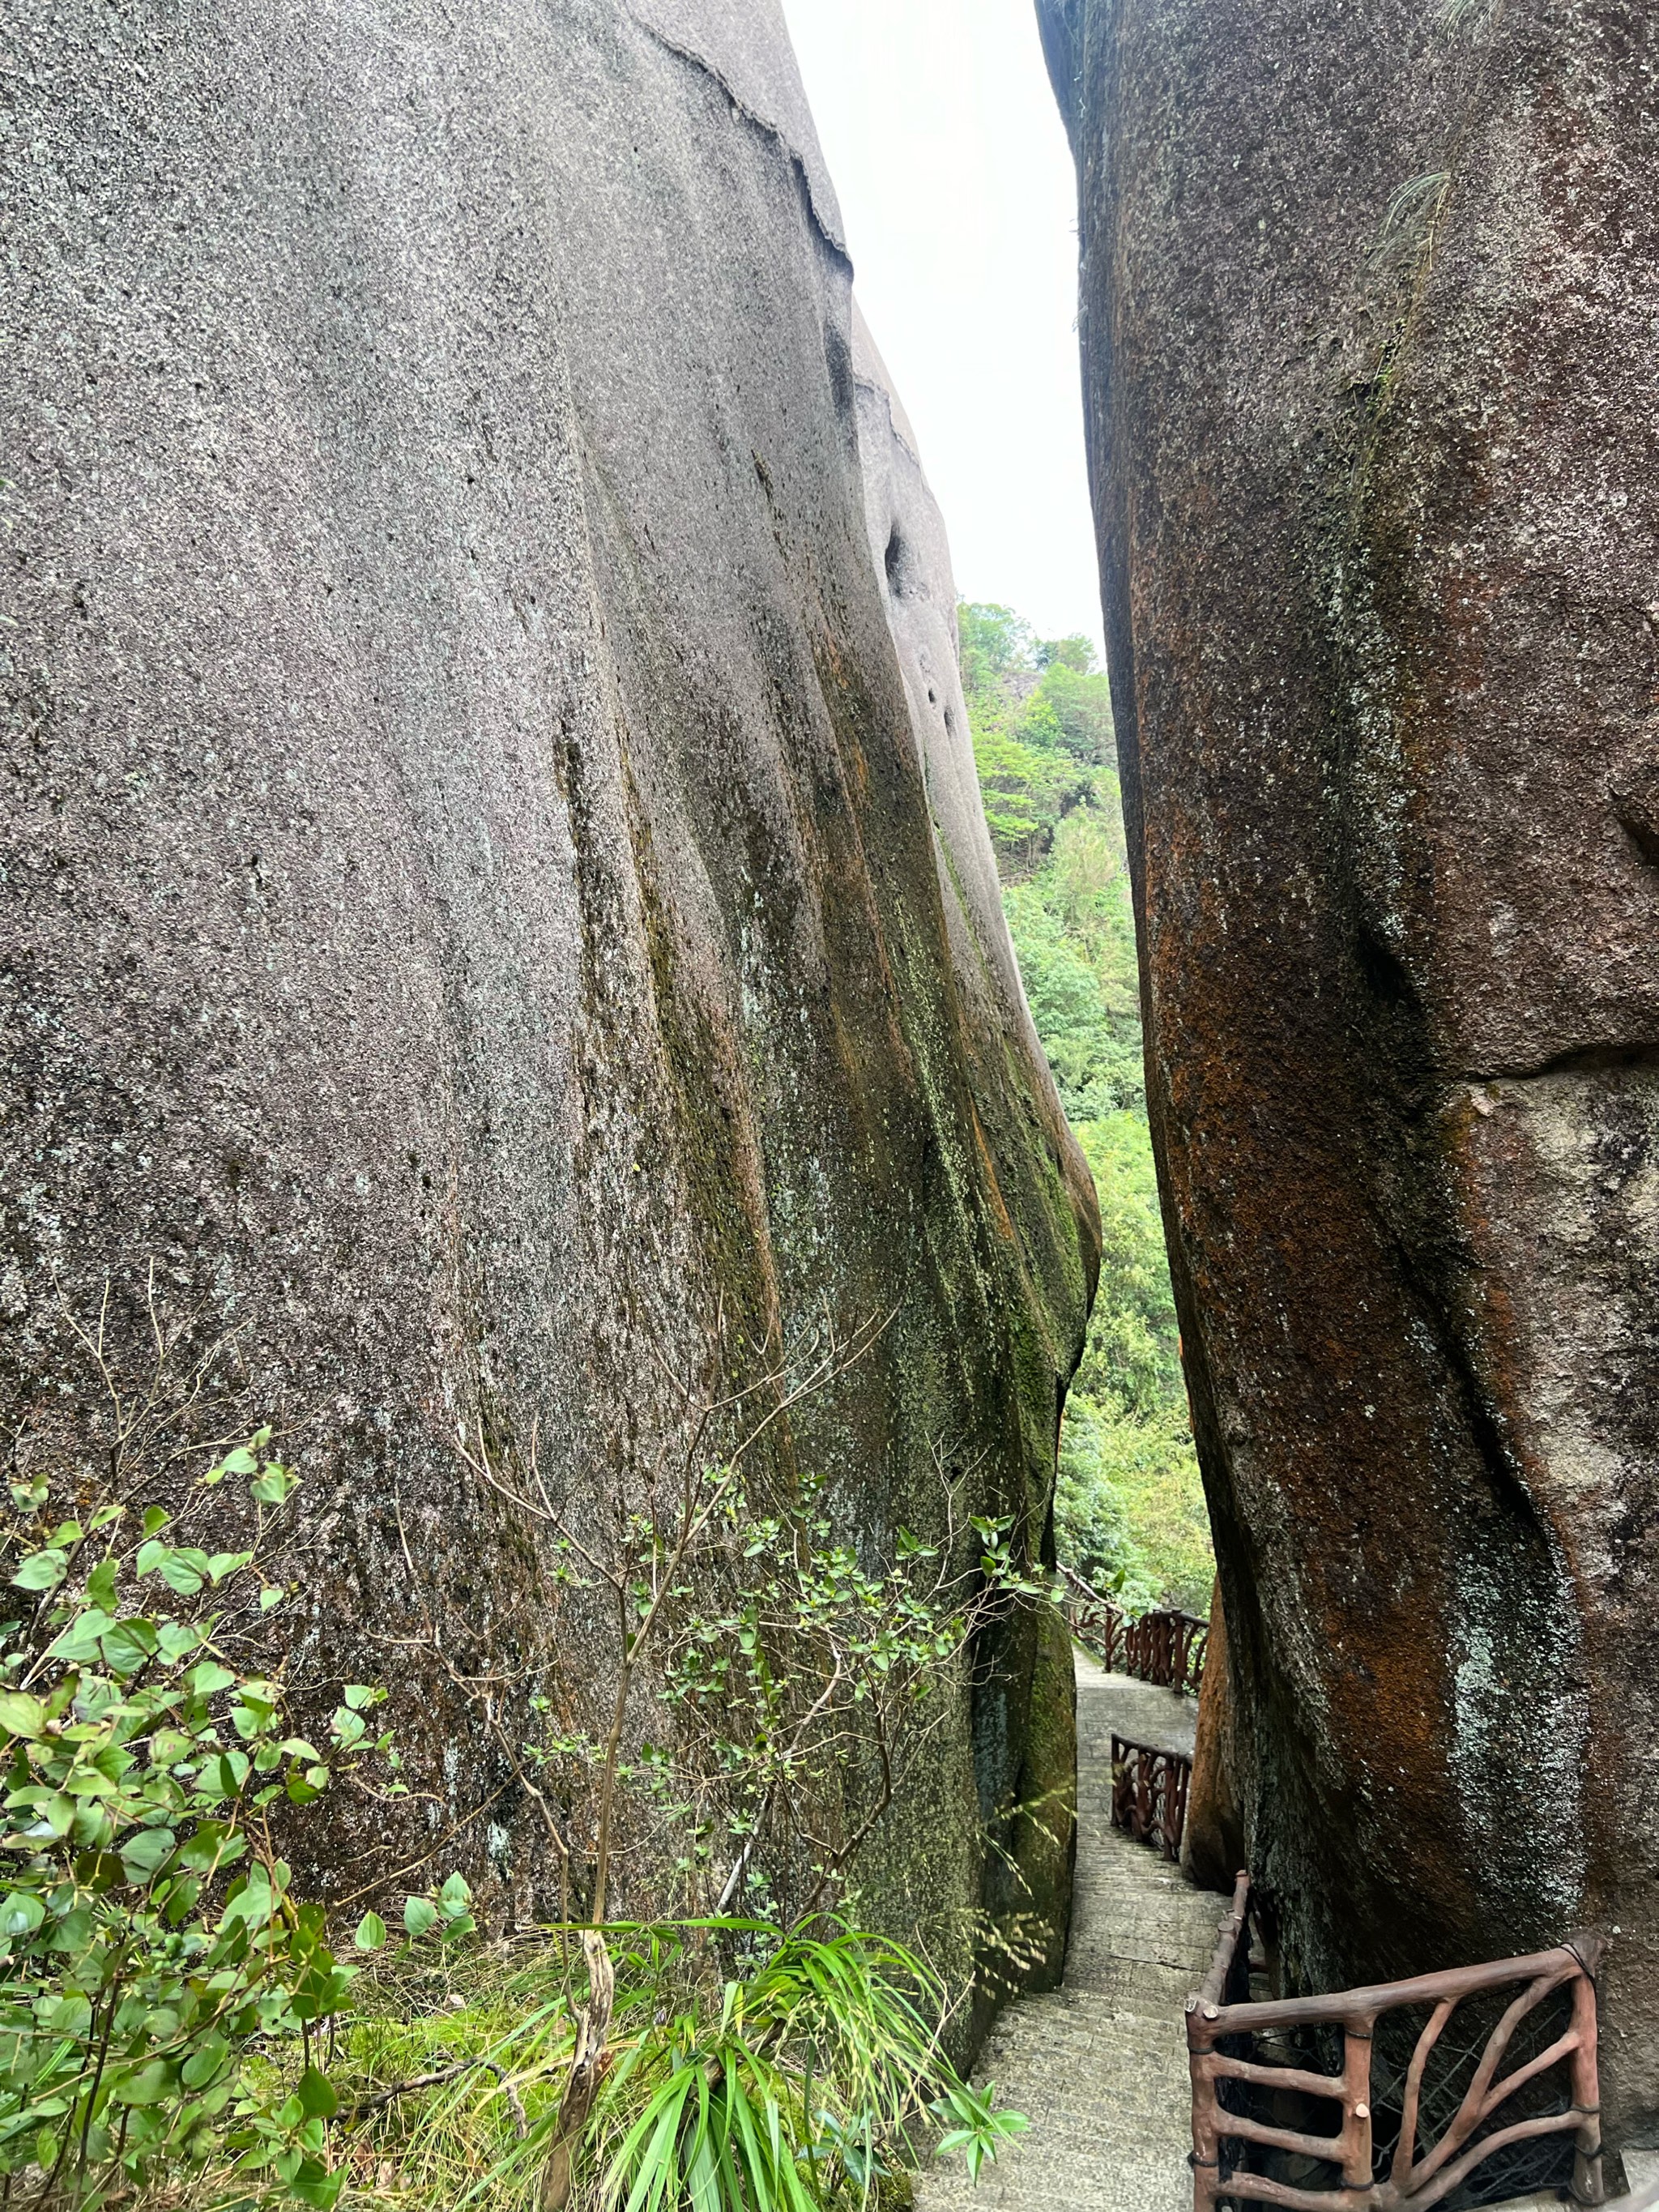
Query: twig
{"points": [[436, 2081]]}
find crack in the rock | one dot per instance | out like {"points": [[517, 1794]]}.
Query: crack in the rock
{"points": [[1586, 1060], [792, 153]]}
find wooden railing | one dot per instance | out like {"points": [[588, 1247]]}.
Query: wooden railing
{"points": [[1165, 1648], [1419, 2112], [1149, 1794]]}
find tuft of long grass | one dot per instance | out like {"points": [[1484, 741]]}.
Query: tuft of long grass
{"points": [[753, 2070], [496, 2029]]}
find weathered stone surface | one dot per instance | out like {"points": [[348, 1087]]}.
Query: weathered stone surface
{"points": [[1212, 1849], [472, 916], [1367, 306]]}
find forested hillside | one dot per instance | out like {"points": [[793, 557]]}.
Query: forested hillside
{"points": [[1131, 1510]]}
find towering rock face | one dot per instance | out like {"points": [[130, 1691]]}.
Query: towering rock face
{"points": [[472, 917], [1016, 1109], [1367, 299]]}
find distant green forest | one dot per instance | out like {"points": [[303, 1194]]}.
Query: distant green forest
{"points": [[1130, 1510]]}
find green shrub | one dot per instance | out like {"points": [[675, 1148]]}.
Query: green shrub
{"points": [[174, 2018], [150, 1943], [1129, 1507]]}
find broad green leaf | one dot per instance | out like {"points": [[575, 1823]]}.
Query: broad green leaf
{"points": [[68, 2015], [20, 1714], [454, 1896], [252, 1900], [313, 2186], [21, 1914], [420, 1915], [144, 1852], [370, 1932], [146, 2087], [316, 2093], [205, 2061], [82, 1640], [212, 1845], [207, 1680], [100, 1585], [128, 1644], [41, 1571], [233, 1771], [184, 1571]]}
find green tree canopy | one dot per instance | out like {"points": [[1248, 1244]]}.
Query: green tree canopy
{"points": [[1129, 1507]]}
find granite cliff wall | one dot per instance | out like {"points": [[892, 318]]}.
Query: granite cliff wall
{"points": [[1366, 298], [472, 917]]}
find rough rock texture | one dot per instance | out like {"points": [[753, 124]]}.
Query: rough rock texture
{"points": [[1213, 1848], [471, 913], [1367, 325]]}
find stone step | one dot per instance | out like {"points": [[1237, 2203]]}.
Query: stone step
{"points": [[1099, 2066]]}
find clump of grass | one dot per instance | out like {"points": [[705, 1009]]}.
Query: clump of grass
{"points": [[749, 2068]]}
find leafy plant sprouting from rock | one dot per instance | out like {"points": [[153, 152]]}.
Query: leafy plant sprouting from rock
{"points": [[171, 2013], [149, 1938], [800, 1684]]}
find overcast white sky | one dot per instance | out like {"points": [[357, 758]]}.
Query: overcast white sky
{"points": [[956, 186]]}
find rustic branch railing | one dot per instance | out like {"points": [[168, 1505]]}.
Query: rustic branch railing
{"points": [[1164, 1648], [1095, 1621], [1242, 2053], [1149, 1794]]}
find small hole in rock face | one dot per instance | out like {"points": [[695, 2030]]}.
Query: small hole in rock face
{"points": [[933, 698], [950, 722], [897, 564], [1384, 973], [1637, 805]]}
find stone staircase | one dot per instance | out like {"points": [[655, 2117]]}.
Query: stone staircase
{"points": [[1099, 2065]]}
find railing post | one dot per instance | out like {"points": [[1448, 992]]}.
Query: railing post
{"points": [[1179, 1780], [1356, 2136], [1588, 2186], [1206, 2106]]}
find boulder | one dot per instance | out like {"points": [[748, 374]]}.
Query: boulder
{"points": [[474, 935], [1367, 308]]}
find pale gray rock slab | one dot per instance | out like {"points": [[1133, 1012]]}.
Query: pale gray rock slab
{"points": [[471, 913]]}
